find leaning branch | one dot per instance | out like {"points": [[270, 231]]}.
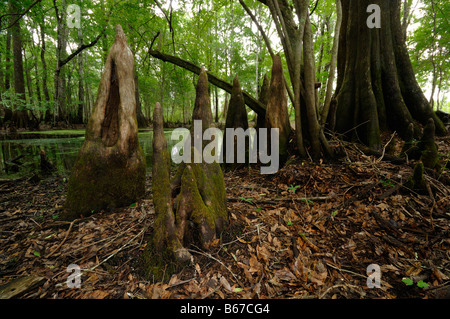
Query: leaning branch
{"points": [[19, 16], [250, 101]]}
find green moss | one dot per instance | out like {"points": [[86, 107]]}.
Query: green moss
{"points": [[99, 181], [158, 264], [428, 147], [417, 182]]}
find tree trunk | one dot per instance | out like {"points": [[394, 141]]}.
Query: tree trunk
{"points": [[59, 78], [8, 60], [20, 116], [81, 95], [142, 121], [295, 32], [310, 90], [48, 114], [333, 63], [110, 168], [376, 85]]}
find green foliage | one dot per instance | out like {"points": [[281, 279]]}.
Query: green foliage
{"points": [[408, 281], [217, 34], [429, 38], [293, 188]]}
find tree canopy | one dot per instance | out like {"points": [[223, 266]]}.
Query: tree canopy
{"points": [[219, 35]]}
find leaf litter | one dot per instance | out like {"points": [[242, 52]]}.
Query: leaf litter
{"points": [[309, 231]]}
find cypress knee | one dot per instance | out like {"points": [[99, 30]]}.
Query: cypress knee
{"points": [[110, 169]]}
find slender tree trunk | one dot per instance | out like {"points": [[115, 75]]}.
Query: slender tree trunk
{"points": [[333, 63], [61, 43], [20, 116], [81, 95], [44, 73], [8, 60], [291, 30], [310, 79]]}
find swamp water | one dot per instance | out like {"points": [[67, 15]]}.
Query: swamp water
{"points": [[20, 152]]}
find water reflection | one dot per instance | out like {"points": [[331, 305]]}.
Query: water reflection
{"points": [[19, 154]]}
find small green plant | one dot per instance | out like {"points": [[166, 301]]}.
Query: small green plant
{"points": [[422, 284], [308, 201], [387, 183], [410, 282], [293, 188], [334, 213], [248, 200]]}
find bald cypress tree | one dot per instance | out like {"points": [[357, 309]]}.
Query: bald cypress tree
{"points": [[376, 86]]}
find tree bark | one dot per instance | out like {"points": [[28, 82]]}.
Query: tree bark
{"points": [[110, 168], [192, 207], [291, 31], [61, 53], [20, 116], [142, 121], [81, 95], [333, 64], [376, 85]]}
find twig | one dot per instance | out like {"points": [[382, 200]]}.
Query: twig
{"points": [[64, 240], [117, 251], [384, 149], [220, 262], [355, 288]]}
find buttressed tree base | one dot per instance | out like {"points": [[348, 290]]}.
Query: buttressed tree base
{"points": [[190, 208], [110, 168]]}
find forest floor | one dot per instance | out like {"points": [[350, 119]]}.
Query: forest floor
{"points": [[309, 231]]}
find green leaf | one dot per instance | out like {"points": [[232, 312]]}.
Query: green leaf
{"points": [[133, 205], [238, 289], [408, 281], [36, 253], [422, 284]]}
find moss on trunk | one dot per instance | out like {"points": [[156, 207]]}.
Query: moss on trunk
{"points": [[376, 86], [110, 168], [190, 208]]}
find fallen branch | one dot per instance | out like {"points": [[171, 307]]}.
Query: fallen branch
{"points": [[252, 103], [64, 240], [381, 156]]}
